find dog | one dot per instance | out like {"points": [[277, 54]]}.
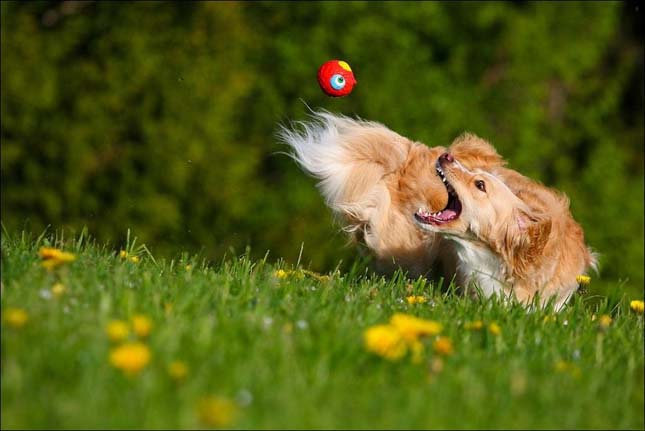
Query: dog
{"points": [[374, 180], [511, 235]]}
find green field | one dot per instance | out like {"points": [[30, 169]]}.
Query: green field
{"points": [[289, 352]]}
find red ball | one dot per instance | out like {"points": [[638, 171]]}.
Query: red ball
{"points": [[336, 78]]}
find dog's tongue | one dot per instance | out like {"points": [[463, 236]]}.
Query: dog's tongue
{"points": [[447, 214]]}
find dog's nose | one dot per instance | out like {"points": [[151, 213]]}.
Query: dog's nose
{"points": [[446, 158]]}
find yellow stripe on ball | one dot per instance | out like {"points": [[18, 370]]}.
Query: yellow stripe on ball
{"points": [[345, 66]]}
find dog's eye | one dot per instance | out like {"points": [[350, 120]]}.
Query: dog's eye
{"points": [[480, 185]]}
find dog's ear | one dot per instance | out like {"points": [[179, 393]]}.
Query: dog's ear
{"points": [[474, 152], [526, 236]]}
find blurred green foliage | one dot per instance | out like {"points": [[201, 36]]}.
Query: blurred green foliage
{"points": [[161, 117]]}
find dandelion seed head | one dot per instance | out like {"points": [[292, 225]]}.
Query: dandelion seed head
{"points": [[267, 322], [244, 397]]}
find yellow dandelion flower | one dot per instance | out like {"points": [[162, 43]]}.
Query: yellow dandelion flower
{"points": [[58, 290], [385, 341], [178, 370], [117, 330], [189, 267], [287, 328], [281, 273], [216, 411], [475, 325], [130, 358], [583, 280], [123, 254], [604, 321], [494, 328], [134, 259], [415, 299], [15, 317], [141, 325], [299, 274], [443, 346], [637, 306], [412, 327], [561, 366], [549, 318], [567, 367], [53, 257]]}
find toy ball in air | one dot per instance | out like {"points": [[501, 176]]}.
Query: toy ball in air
{"points": [[336, 78]]}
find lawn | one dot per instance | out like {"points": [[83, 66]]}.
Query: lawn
{"points": [[260, 344]]}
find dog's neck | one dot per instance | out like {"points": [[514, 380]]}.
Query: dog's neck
{"points": [[480, 265]]}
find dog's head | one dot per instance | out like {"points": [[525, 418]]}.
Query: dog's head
{"points": [[481, 207], [419, 186]]}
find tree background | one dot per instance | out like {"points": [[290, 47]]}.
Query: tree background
{"points": [[160, 117]]}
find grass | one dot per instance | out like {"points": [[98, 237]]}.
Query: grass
{"points": [[289, 353]]}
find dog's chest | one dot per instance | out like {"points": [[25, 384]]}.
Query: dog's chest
{"points": [[479, 265]]}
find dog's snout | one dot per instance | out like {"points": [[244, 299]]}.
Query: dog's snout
{"points": [[446, 158]]}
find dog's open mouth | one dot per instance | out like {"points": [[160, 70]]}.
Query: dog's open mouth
{"points": [[449, 213]]}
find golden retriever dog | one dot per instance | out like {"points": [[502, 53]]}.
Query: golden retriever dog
{"points": [[511, 235], [374, 180]]}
